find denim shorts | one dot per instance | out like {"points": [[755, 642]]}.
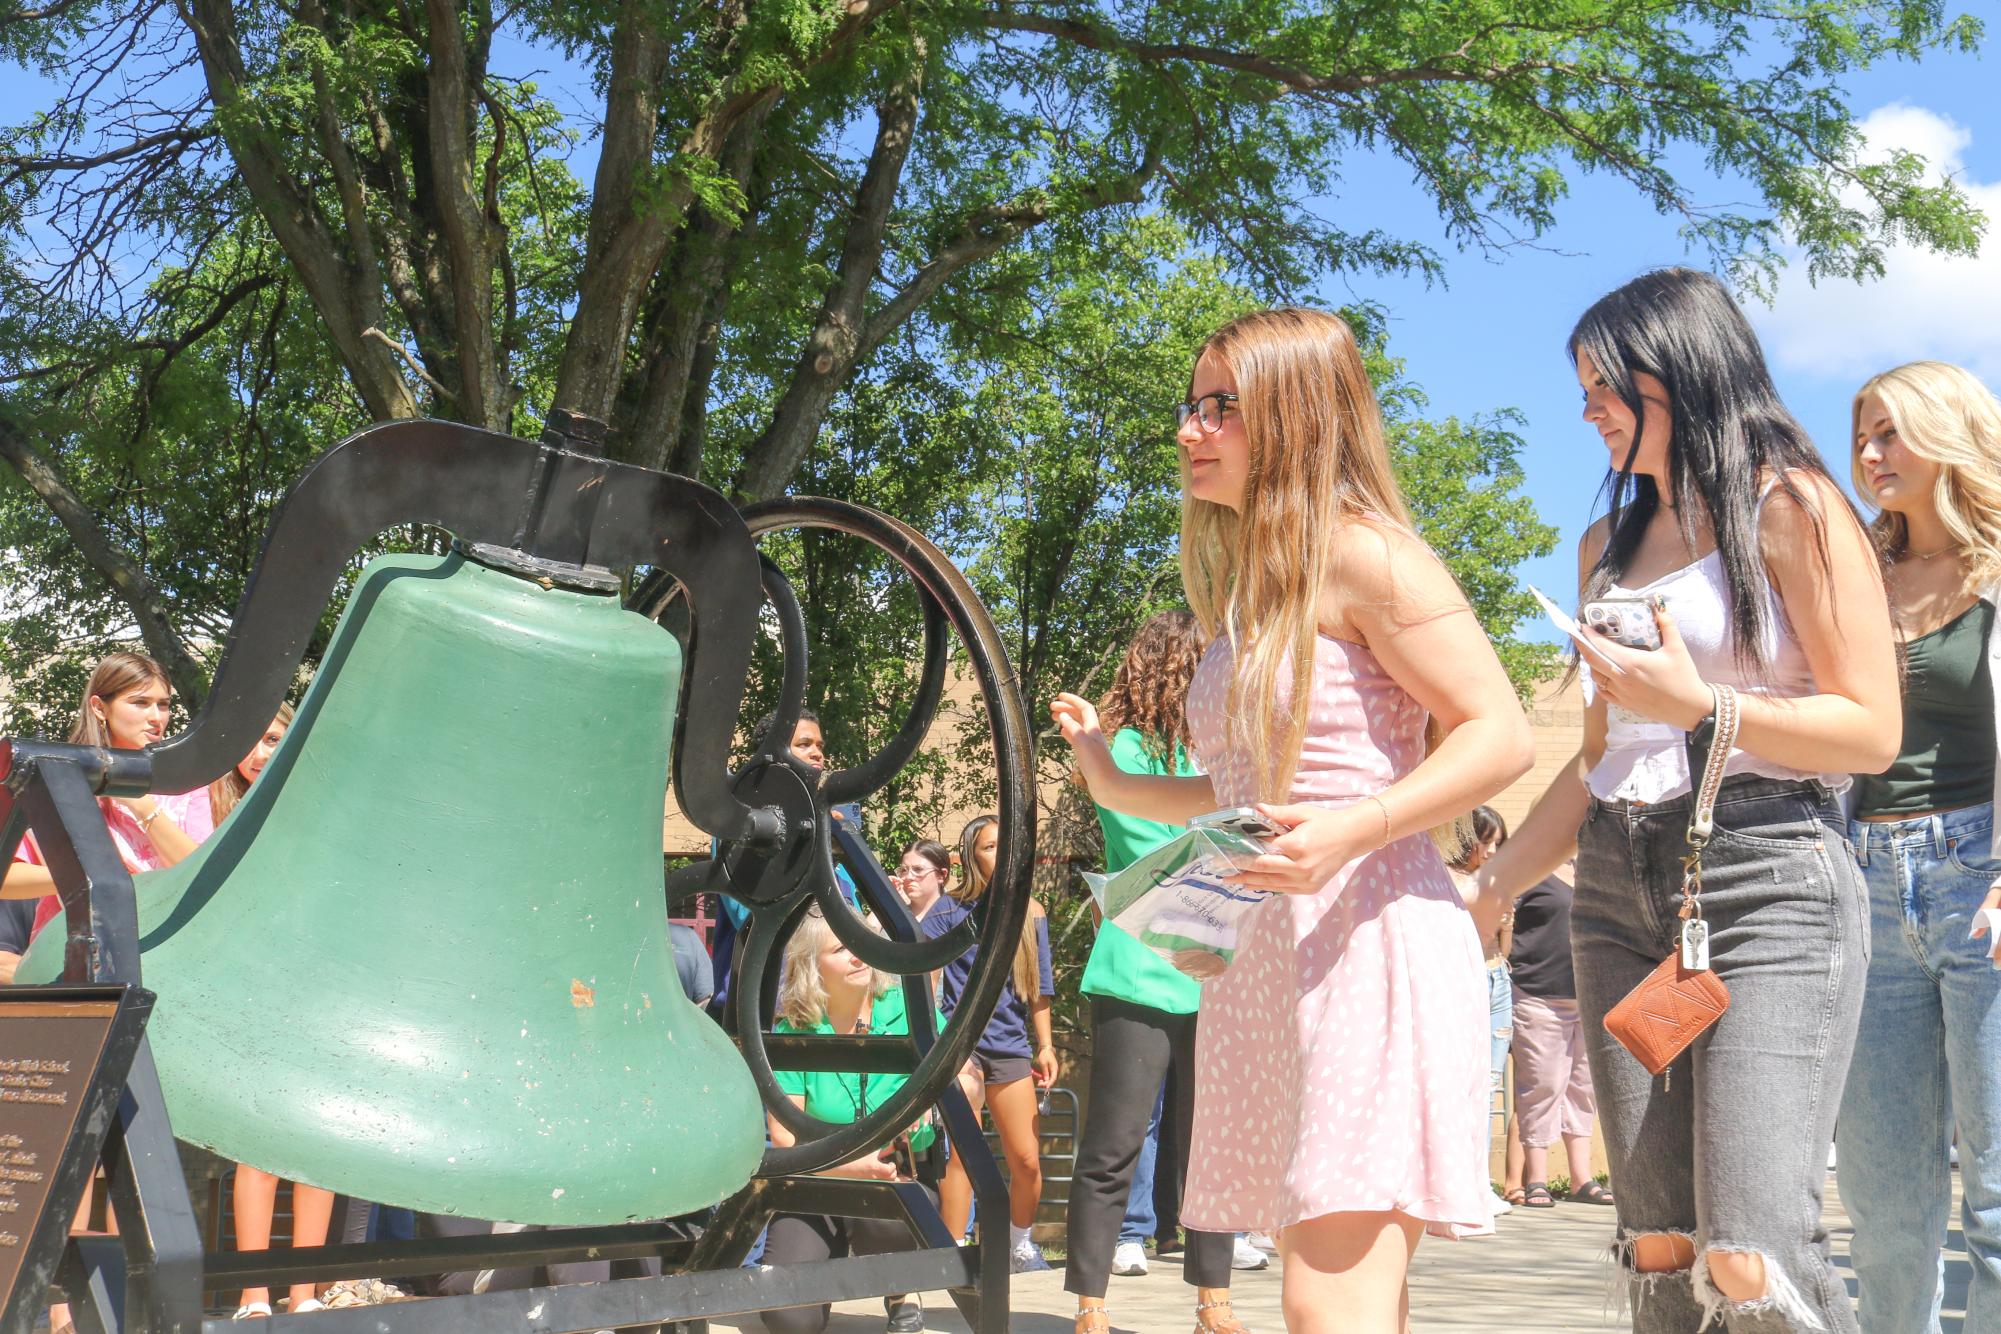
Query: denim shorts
{"points": [[1729, 1148]]}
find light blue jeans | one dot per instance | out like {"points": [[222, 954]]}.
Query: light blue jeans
{"points": [[1140, 1220], [1927, 1059], [1501, 1031]]}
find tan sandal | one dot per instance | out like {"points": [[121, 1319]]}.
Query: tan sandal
{"points": [[1231, 1325]]}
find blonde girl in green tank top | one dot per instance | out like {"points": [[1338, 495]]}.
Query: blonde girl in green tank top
{"points": [[1927, 454]]}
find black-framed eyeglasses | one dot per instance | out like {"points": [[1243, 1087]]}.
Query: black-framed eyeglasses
{"points": [[1208, 410]]}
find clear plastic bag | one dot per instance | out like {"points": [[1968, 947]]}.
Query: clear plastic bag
{"points": [[1176, 903]]}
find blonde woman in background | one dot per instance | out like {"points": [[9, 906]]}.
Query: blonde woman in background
{"points": [[1015, 1056], [1927, 453], [1342, 1057], [826, 989]]}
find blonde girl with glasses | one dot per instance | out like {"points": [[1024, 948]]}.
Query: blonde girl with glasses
{"points": [[1927, 454], [1349, 692], [126, 705]]}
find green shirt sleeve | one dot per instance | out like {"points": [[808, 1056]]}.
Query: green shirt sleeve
{"points": [[1127, 837], [791, 1082], [1120, 966]]}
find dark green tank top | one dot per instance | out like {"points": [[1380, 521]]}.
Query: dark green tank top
{"points": [[1947, 760]]}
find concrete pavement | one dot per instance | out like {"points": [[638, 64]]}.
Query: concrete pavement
{"points": [[1543, 1270]]}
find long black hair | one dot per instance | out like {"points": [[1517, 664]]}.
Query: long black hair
{"points": [[1729, 429]]}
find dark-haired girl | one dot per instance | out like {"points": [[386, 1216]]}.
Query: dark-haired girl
{"points": [[1763, 581], [1142, 1009]]}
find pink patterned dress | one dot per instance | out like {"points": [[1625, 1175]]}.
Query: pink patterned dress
{"points": [[1341, 1063]]}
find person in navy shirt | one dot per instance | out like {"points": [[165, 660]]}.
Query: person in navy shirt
{"points": [[810, 747], [1015, 1056]]}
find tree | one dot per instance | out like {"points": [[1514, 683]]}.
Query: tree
{"points": [[1041, 457], [785, 192]]}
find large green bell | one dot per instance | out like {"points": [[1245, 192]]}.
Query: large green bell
{"points": [[425, 961]]}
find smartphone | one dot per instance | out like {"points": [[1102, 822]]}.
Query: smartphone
{"points": [[1243, 820], [1628, 621], [899, 1153]]}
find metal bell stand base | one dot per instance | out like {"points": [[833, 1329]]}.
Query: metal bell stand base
{"points": [[554, 505]]}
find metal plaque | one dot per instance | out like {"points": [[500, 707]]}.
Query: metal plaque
{"points": [[64, 1054]]}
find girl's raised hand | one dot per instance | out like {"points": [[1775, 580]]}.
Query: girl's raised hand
{"points": [[1077, 718]]}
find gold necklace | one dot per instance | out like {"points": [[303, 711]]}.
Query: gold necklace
{"points": [[1928, 555]]}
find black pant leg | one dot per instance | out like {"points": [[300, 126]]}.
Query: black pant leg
{"points": [[801, 1239], [1130, 1051], [1206, 1262]]}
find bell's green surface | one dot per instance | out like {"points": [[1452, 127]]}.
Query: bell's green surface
{"points": [[425, 961]]}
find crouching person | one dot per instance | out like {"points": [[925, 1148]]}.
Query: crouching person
{"points": [[826, 989]]}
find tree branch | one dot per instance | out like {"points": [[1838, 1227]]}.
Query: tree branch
{"points": [[991, 230], [462, 215], [687, 300], [127, 580], [1292, 76], [345, 304], [416, 366], [837, 336], [180, 136], [629, 233]]}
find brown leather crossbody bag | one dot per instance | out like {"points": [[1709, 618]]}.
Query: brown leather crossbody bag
{"points": [[1678, 1000]]}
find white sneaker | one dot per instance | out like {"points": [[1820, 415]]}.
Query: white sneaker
{"points": [[1263, 1241], [1247, 1256], [1501, 1206], [1830, 1157], [1027, 1258], [1129, 1260]]}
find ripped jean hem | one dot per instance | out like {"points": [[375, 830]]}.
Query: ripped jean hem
{"points": [[1781, 1297]]}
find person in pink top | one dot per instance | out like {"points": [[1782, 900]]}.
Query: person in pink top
{"points": [[125, 705], [1350, 694]]}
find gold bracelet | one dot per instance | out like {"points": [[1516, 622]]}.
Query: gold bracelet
{"points": [[1384, 808]]}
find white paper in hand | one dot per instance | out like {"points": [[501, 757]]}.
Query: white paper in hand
{"points": [[1567, 623]]}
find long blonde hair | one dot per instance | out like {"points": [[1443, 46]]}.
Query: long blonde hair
{"points": [[1318, 458], [971, 886], [802, 996], [1945, 414], [226, 791], [115, 674]]}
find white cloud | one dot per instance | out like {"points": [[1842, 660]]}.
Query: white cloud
{"points": [[1926, 305]]}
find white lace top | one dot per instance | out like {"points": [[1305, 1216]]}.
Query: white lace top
{"points": [[1648, 761]]}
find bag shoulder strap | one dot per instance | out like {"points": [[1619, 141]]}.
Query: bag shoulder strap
{"points": [[1709, 747]]}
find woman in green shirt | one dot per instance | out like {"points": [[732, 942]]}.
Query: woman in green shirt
{"points": [[826, 989], [1142, 1010]]}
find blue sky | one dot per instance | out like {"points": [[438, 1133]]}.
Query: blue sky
{"points": [[1492, 335]]}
